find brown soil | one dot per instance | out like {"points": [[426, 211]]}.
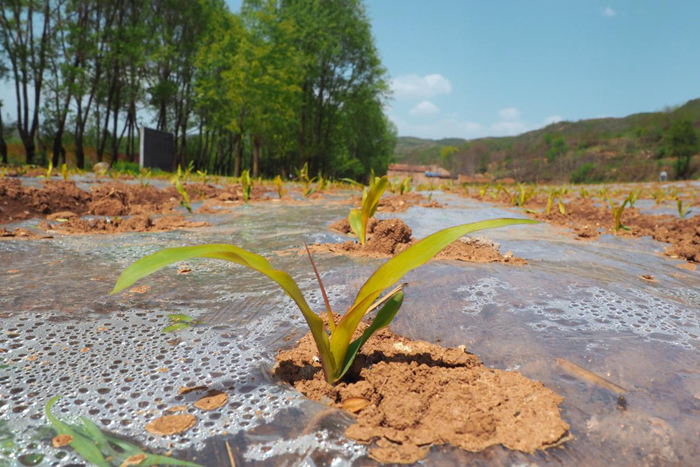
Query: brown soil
{"points": [[389, 237], [22, 233], [139, 223], [171, 424], [399, 203], [587, 220], [408, 395], [18, 202]]}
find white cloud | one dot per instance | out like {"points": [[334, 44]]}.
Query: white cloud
{"points": [[503, 128], [608, 12], [552, 119], [423, 109], [414, 87], [447, 126], [510, 114]]}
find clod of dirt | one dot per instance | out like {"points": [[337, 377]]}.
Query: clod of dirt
{"points": [[648, 278], [136, 459], [61, 440], [185, 389], [139, 223], [212, 402], [392, 236], [22, 233], [171, 424], [421, 394], [61, 215]]}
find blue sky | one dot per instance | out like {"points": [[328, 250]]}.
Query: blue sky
{"points": [[472, 68]]}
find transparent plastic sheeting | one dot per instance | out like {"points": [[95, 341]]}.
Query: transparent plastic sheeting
{"points": [[62, 334]]}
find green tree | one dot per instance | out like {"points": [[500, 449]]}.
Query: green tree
{"points": [[683, 145], [25, 39], [447, 154]]}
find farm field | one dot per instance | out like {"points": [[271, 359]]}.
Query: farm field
{"points": [[578, 336]]}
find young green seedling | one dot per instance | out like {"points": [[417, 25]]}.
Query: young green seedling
{"points": [[280, 186], [185, 201], [617, 213], [180, 322], [49, 171], [247, 184], [682, 210], [204, 176], [64, 172], [555, 193], [359, 218], [336, 349], [102, 450]]}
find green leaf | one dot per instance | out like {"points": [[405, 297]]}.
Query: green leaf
{"points": [[183, 318], [355, 220], [156, 261], [177, 327], [82, 445], [394, 269], [382, 320]]}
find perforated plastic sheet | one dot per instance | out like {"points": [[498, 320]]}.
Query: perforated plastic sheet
{"points": [[583, 301]]}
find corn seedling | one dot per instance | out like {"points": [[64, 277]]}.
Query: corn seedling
{"points": [[64, 172], [188, 171], [49, 171], [185, 201], [555, 194], [336, 350], [633, 196], [22, 170], [484, 190], [524, 194], [203, 176], [583, 193], [682, 210], [144, 175], [405, 186], [181, 322], [102, 450], [280, 186], [659, 196], [617, 213], [321, 183], [359, 218], [246, 184], [115, 174], [3, 172]]}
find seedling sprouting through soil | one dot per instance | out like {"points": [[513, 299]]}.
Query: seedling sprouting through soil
{"points": [[617, 213], [247, 184], [185, 202], [336, 349], [64, 172], [280, 187], [181, 322], [682, 210], [101, 449], [359, 218]]}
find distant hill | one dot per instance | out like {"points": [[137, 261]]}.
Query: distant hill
{"points": [[631, 148]]}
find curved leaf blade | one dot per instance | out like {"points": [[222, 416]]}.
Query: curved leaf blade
{"points": [[232, 253], [394, 269], [382, 320]]}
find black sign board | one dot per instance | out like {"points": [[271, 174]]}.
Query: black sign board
{"points": [[157, 150]]}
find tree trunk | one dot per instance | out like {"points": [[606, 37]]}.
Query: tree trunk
{"points": [[257, 143]]}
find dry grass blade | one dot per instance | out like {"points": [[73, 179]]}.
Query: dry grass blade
{"points": [[590, 376], [331, 321], [231, 460]]}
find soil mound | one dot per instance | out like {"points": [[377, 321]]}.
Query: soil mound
{"points": [[22, 233], [408, 395], [139, 223], [389, 237]]}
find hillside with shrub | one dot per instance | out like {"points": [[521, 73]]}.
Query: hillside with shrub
{"points": [[633, 148]]}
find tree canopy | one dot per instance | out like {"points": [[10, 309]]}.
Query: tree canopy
{"points": [[281, 84]]}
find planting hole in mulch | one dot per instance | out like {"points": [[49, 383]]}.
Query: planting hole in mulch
{"points": [[408, 395], [389, 237]]}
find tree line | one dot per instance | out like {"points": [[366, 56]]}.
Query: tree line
{"points": [[281, 84]]}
